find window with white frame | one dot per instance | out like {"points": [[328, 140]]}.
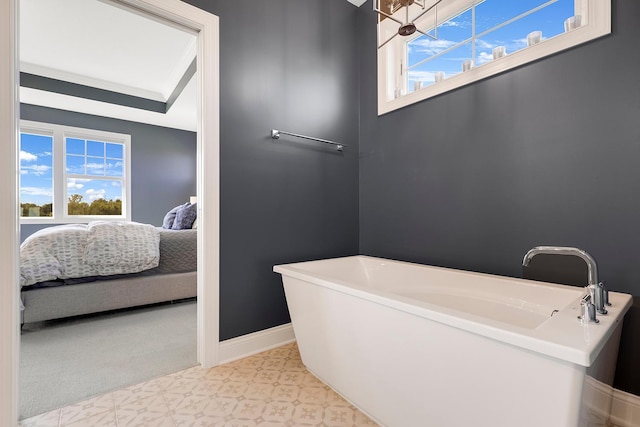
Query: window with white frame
{"points": [[73, 175], [468, 40]]}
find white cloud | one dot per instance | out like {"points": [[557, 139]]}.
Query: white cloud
{"points": [[518, 44], [452, 24], [35, 191], [114, 168], [95, 194], [35, 170], [27, 157], [483, 44], [431, 47], [74, 185], [484, 57], [423, 76], [95, 166]]}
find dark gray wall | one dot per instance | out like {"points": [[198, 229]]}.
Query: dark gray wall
{"points": [[544, 154], [290, 65], [163, 161]]}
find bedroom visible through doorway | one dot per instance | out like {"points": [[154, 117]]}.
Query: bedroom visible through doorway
{"points": [[206, 147]]}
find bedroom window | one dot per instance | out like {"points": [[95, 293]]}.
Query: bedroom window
{"points": [[73, 175], [469, 40], [36, 175]]}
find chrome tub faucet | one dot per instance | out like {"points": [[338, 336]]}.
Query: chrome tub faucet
{"points": [[598, 295]]}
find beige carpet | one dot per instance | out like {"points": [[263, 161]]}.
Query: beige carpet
{"points": [[63, 362]]}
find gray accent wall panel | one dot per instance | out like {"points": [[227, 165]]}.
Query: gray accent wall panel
{"points": [[290, 65], [163, 161], [547, 154], [88, 92]]}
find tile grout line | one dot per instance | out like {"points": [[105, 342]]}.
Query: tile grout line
{"points": [[166, 402], [115, 411]]}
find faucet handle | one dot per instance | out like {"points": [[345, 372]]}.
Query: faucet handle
{"points": [[601, 298], [605, 295], [587, 308]]}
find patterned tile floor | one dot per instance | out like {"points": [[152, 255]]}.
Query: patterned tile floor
{"points": [[270, 389]]}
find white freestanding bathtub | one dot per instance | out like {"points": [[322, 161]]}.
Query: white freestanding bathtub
{"points": [[418, 346]]}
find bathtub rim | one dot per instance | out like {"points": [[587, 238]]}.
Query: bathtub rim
{"points": [[562, 336]]}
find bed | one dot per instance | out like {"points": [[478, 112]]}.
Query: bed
{"points": [[163, 269]]}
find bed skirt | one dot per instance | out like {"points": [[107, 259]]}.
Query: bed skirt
{"points": [[73, 300]]}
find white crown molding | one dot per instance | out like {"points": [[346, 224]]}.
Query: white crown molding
{"points": [[178, 116], [92, 82], [106, 56], [179, 69]]}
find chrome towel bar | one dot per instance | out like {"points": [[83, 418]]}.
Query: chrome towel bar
{"points": [[275, 134]]}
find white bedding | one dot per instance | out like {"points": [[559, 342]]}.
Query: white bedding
{"points": [[99, 248]]}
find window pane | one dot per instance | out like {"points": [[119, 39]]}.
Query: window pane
{"points": [[446, 65], [36, 175], [95, 166], [115, 151], [94, 197], [75, 146], [549, 21], [449, 34], [491, 13], [114, 168], [95, 148], [430, 60], [75, 164]]}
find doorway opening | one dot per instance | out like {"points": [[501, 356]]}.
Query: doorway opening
{"points": [[206, 27]]}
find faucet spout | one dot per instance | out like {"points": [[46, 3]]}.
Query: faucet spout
{"points": [[563, 250], [597, 290]]}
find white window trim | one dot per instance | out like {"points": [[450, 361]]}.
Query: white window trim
{"points": [[59, 133], [391, 58]]}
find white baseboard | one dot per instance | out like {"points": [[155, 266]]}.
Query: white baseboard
{"points": [[596, 399], [250, 344], [625, 409]]}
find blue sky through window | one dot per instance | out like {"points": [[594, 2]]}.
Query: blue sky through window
{"points": [[94, 158], [89, 158], [92, 189], [36, 169], [455, 44]]}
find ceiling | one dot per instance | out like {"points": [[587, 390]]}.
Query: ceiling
{"points": [[98, 58]]}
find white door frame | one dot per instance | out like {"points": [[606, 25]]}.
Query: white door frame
{"points": [[207, 27]]}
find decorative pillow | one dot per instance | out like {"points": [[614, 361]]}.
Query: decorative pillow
{"points": [[170, 217], [185, 216]]}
